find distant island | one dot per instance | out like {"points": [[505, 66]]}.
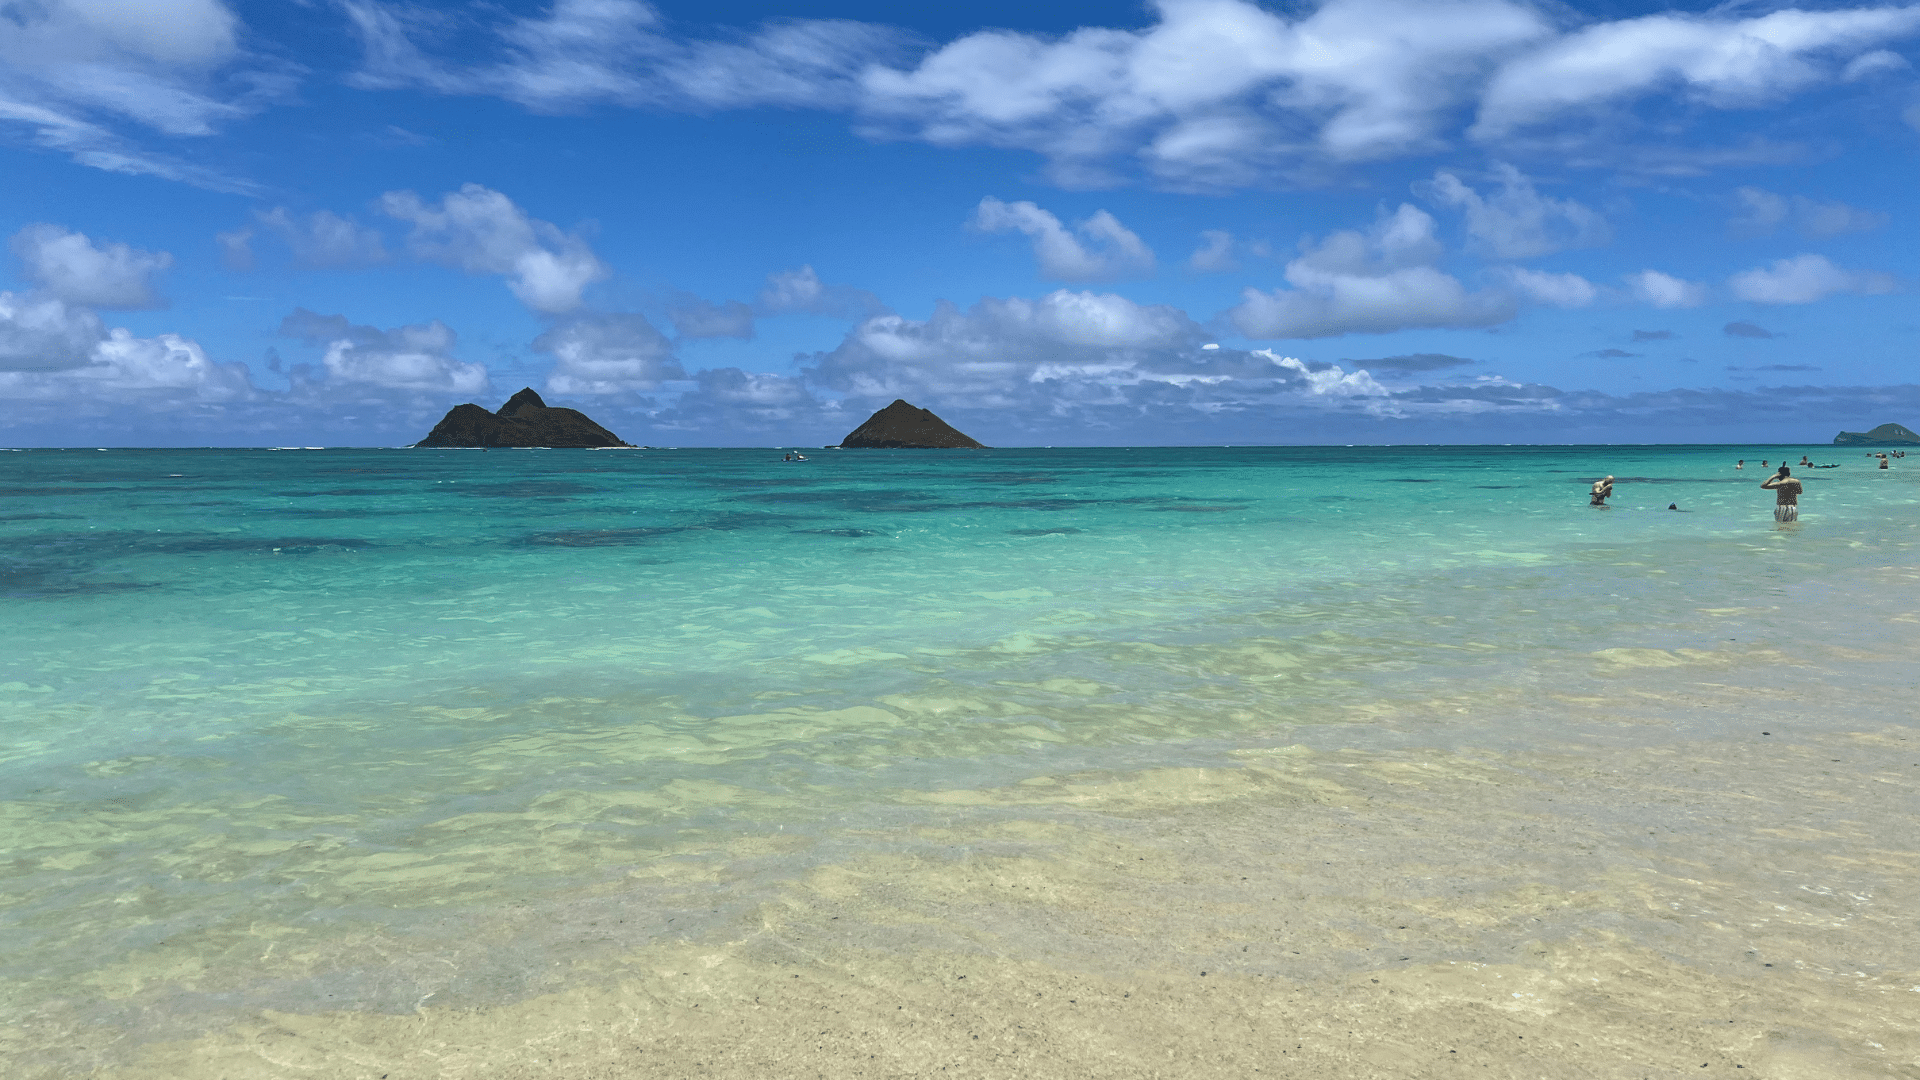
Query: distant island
{"points": [[1884, 435], [901, 426], [524, 420]]}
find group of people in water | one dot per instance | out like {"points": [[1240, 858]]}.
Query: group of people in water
{"points": [[1785, 487], [794, 455]]}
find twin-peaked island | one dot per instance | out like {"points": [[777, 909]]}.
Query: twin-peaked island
{"points": [[526, 421]]}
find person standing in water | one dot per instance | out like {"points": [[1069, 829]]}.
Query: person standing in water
{"points": [[1786, 495], [1602, 488]]}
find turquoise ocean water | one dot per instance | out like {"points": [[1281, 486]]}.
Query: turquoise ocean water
{"points": [[370, 728]]}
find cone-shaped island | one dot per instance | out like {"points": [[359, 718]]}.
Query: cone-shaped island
{"points": [[524, 420], [901, 426], [1884, 435]]}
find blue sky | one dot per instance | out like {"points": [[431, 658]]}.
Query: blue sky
{"points": [[1195, 222]]}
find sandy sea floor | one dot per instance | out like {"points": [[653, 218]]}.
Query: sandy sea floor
{"points": [[1075, 764], [1698, 874]]}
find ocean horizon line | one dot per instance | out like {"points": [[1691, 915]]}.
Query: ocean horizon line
{"points": [[1054, 446]]}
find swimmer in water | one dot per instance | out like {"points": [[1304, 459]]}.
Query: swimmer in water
{"points": [[1741, 464], [1602, 488], [1786, 495]]}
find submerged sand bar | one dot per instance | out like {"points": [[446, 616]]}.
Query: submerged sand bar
{"points": [[1732, 905]]}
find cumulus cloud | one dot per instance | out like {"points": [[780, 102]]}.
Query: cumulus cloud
{"points": [[1215, 253], [481, 231], [71, 267], [1747, 330], [1553, 290], [992, 353], [120, 368], [1214, 91], [1329, 379], [1517, 222], [802, 292], [415, 358], [1762, 212], [43, 333], [1372, 283], [1805, 279], [1665, 290], [1103, 250], [320, 239], [601, 353], [1717, 60]]}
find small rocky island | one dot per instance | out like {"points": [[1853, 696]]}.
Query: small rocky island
{"points": [[524, 420], [1884, 435], [901, 426]]}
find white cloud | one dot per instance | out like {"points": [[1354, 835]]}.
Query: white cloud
{"points": [[1104, 249], [990, 354], [1369, 283], [1214, 91], [1554, 290], [802, 292], [1518, 222], [583, 52], [1215, 254], [1211, 94], [1762, 212], [602, 353], [417, 357], [69, 266], [481, 231], [70, 69], [1721, 62], [764, 394], [1879, 61], [126, 369], [322, 238], [1665, 291], [42, 333], [1329, 379], [1805, 279]]}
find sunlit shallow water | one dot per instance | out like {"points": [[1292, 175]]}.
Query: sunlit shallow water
{"points": [[363, 727]]}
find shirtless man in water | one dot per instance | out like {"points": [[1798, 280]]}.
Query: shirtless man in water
{"points": [[1786, 495]]}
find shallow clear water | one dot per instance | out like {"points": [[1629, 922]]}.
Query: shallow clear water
{"points": [[341, 697]]}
